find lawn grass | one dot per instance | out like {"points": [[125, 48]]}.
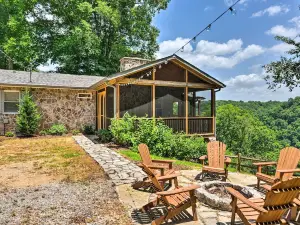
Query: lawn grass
{"points": [[180, 164], [58, 156]]}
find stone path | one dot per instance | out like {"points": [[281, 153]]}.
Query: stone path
{"points": [[119, 169]]}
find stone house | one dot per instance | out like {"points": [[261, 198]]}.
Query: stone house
{"points": [[170, 89]]}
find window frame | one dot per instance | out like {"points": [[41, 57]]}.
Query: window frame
{"points": [[3, 101]]}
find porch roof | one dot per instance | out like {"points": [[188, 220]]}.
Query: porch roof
{"points": [[160, 61]]}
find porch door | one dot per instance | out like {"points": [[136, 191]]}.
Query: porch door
{"points": [[101, 110]]}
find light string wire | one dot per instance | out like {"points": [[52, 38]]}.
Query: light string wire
{"points": [[208, 26]]}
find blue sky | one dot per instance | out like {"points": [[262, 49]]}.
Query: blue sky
{"points": [[237, 46]]}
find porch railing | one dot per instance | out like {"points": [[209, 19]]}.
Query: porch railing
{"points": [[196, 125]]}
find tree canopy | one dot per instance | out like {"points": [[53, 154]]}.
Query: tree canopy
{"points": [[285, 71], [81, 36]]}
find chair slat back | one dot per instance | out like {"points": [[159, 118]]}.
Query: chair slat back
{"points": [[288, 159], [145, 154], [279, 199], [216, 154], [157, 186]]}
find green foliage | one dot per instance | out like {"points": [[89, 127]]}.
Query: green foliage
{"points": [[244, 133], [9, 134], [28, 118], [286, 71], [123, 129], [81, 36], [75, 132], [88, 129], [104, 135], [43, 132], [160, 139], [57, 129]]}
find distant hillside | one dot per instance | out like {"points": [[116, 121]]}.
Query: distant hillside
{"points": [[282, 117]]}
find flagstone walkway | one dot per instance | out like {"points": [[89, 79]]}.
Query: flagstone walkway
{"points": [[119, 169]]}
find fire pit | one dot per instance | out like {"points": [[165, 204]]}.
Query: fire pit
{"points": [[214, 194]]}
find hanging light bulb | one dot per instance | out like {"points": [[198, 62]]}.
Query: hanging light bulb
{"points": [[159, 67], [194, 40], [182, 49], [233, 11], [208, 28]]}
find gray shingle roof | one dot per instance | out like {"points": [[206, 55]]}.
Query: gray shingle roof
{"points": [[40, 79]]}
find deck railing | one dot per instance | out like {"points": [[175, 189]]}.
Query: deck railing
{"points": [[196, 125]]}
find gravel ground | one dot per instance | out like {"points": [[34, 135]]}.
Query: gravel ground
{"points": [[93, 202]]}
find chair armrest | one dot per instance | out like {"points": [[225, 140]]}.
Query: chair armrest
{"points": [[264, 163], [163, 161], [179, 190], [240, 197], [267, 187], [289, 171], [203, 157], [168, 177], [227, 159]]}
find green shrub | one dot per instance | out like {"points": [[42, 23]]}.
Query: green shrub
{"points": [[9, 134], [43, 132], [88, 129], [75, 132], [123, 129], [28, 118], [57, 129], [104, 135]]}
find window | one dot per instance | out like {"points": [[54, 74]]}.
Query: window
{"points": [[175, 108], [85, 95], [11, 101]]}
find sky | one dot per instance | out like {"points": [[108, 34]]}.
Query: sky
{"points": [[236, 47]]}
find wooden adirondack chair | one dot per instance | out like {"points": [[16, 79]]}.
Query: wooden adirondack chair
{"points": [[175, 200], [279, 198], [217, 162], [288, 161], [161, 165]]}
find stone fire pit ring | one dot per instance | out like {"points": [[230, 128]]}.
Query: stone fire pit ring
{"points": [[221, 201]]}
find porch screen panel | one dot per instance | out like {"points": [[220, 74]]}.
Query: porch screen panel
{"points": [[136, 100], [109, 105], [199, 102]]}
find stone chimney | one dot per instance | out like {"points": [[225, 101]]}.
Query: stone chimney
{"points": [[127, 63]]}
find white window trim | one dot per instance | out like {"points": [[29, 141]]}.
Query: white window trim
{"points": [[3, 101]]}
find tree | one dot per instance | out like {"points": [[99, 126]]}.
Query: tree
{"points": [[28, 118], [81, 36], [286, 71]]}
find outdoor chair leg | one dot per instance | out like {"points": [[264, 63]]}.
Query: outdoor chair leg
{"points": [[258, 183], [294, 213], [149, 205], [233, 204]]}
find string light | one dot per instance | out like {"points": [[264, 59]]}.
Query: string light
{"points": [[207, 28], [194, 39], [233, 11]]}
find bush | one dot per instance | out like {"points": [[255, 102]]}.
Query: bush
{"points": [[160, 138], [43, 132], [123, 129], [9, 134], [88, 129], [57, 129], [75, 132], [28, 118], [104, 135]]}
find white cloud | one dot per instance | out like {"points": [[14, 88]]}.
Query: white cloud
{"points": [[272, 11], [207, 8], [253, 87], [281, 30], [281, 48], [211, 54], [47, 67]]}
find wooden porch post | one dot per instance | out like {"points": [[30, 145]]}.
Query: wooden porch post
{"points": [[213, 110], [186, 104], [153, 93], [118, 101]]}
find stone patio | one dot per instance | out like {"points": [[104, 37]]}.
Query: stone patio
{"points": [[123, 173]]}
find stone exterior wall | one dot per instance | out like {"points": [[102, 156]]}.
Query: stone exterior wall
{"points": [[58, 106]]}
